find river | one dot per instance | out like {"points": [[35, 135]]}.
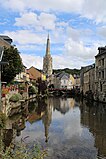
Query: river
{"points": [[68, 128]]}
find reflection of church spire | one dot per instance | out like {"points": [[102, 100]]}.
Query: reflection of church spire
{"points": [[47, 120], [46, 133]]}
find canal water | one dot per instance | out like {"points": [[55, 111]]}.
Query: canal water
{"points": [[68, 128]]}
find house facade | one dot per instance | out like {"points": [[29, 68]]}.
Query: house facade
{"points": [[100, 74], [63, 80], [36, 73], [87, 79], [93, 77], [23, 76], [77, 81]]}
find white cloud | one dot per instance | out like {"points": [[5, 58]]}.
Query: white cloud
{"points": [[2, 23], [78, 49], [60, 5], [102, 31], [59, 61], [31, 19], [79, 44], [74, 54], [26, 37], [32, 60], [13, 5], [73, 33], [27, 19], [62, 24], [47, 21], [66, 61], [95, 10], [87, 8]]}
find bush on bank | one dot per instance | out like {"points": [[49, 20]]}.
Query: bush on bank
{"points": [[15, 97], [32, 90]]}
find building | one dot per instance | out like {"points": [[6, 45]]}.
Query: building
{"points": [[63, 80], [100, 74], [47, 60], [86, 78], [31, 77], [36, 73], [77, 81], [23, 76], [5, 41], [89, 80]]}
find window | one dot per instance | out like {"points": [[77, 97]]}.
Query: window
{"points": [[102, 62], [64, 82], [100, 87], [99, 74], [99, 62], [102, 74]]}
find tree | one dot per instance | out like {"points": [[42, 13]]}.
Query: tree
{"points": [[15, 66], [42, 86]]}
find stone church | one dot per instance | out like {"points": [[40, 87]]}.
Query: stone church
{"points": [[47, 60]]}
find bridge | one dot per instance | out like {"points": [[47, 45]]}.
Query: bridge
{"points": [[60, 91]]}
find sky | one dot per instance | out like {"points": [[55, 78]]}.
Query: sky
{"points": [[76, 29]]}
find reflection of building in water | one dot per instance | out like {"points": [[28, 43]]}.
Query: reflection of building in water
{"points": [[62, 104], [47, 118], [33, 117], [94, 116], [72, 102], [38, 111]]}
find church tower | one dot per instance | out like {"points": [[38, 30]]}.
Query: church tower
{"points": [[47, 60]]}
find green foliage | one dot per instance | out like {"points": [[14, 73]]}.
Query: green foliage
{"points": [[15, 66], [67, 70], [22, 86], [2, 120], [32, 90], [15, 97], [33, 83], [23, 151]]}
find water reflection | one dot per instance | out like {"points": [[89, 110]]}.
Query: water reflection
{"points": [[69, 128], [94, 117]]}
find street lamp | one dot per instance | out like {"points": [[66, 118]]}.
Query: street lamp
{"points": [[1, 63]]}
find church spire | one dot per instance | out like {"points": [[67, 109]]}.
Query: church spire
{"points": [[47, 60], [48, 46]]}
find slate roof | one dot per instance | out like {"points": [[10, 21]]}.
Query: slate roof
{"points": [[6, 38], [61, 74], [102, 50]]}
